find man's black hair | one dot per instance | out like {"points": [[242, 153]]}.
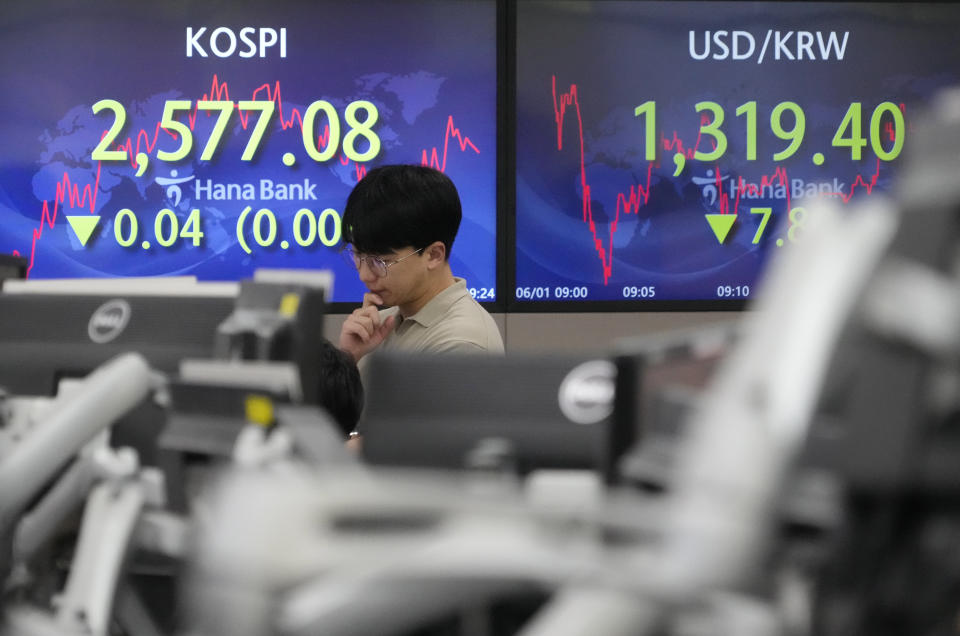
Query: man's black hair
{"points": [[341, 390], [396, 206]]}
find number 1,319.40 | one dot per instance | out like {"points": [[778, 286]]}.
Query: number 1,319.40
{"points": [[788, 122]]}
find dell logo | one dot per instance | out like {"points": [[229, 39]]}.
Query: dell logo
{"points": [[108, 321], [586, 394]]}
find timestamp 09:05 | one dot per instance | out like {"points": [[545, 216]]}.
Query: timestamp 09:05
{"points": [[633, 292]]}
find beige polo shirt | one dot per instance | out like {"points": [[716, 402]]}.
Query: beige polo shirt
{"points": [[451, 322]]}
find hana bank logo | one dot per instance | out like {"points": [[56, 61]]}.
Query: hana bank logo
{"points": [[586, 394], [108, 321]]}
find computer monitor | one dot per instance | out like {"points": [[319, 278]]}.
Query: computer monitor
{"points": [[49, 335], [328, 91], [56, 329], [660, 381], [12, 267], [675, 148], [544, 411]]}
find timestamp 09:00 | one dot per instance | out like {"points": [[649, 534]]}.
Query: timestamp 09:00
{"points": [[552, 293]]}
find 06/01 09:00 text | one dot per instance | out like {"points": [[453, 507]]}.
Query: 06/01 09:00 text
{"points": [[552, 293]]}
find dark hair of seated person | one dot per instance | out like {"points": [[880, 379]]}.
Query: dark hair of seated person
{"points": [[341, 391]]}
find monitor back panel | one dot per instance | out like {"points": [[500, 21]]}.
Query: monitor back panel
{"points": [[44, 337], [433, 411]]}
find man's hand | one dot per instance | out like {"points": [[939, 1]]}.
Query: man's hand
{"points": [[362, 331]]}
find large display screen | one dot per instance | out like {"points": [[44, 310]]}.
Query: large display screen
{"points": [[212, 138], [666, 150]]}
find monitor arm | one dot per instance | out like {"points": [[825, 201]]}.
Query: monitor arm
{"points": [[73, 419]]}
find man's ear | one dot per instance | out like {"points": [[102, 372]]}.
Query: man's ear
{"points": [[436, 254]]}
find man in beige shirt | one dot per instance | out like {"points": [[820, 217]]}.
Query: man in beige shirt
{"points": [[399, 225]]}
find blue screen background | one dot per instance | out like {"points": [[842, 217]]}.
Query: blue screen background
{"points": [[429, 67], [588, 65]]}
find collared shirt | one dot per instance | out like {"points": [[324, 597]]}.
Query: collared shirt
{"points": [[451, 322]]}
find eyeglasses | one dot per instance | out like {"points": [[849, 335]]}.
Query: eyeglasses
{"points": [[377, 265]]}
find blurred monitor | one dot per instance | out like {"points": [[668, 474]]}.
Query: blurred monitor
{"points": [[12, 267], [660, 381], [460, 411], [49, 332]]}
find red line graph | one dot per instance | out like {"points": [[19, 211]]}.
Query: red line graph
{"points": [[69, 194], [440, 163], [639, 194], [780, 177], [676, 144], [629, 202]]}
